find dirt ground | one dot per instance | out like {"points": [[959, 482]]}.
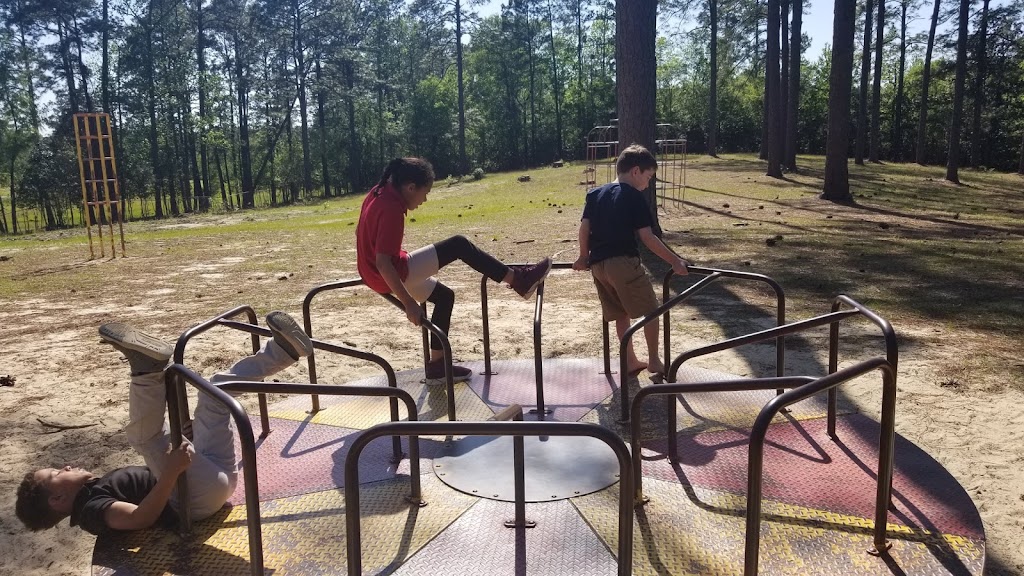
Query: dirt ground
{"points": [[63, 377]]}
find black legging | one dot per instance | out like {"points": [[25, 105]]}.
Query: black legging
{"points": [[449, 250], [460, 248]]}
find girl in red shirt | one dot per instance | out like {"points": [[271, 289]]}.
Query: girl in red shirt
{"points": [[388, 269]]}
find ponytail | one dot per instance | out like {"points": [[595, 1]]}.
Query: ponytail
{"points": [[403, 170]]}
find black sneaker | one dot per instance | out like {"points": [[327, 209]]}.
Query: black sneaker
{"points": [[525, 279], [145, 353], [435, 373], [288, 335]]}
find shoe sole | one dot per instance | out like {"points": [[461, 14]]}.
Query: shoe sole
{"points": [[441, 381], [533, 289], [131, 339], [285, 325]]}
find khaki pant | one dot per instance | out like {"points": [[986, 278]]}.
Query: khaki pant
{"points": [[623, 287]]}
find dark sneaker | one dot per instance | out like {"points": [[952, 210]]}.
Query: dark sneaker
{"points": [[145, 353], [435, 373], [525, 279], [288, 335]]}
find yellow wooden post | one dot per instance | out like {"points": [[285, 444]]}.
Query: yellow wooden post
{"points": [[100, 189]]}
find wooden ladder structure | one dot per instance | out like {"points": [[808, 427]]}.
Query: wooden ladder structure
{"points": [[97, 167]]}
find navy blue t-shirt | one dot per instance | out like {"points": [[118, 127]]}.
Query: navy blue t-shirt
{"points": [[130, 484], [615, 211]]}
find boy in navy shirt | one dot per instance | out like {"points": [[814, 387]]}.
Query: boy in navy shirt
{"points": [[614, 216]]}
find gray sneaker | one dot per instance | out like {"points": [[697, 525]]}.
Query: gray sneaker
{"points": [[145, 353], [288, 335]]}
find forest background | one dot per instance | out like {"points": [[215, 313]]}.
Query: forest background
{"points": [[221, 104]]}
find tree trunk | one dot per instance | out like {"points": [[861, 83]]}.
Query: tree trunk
{"points": [[837, 177], [300, 81], [556, 85], [713, 86], [13, 197], [220, 176], [322, 121], [105, 58], [355, 156], [784, 81], [897, 130], [794, 86], [635, 84], [953, 157], [1020, 170], [977, 150], [83, 70], [204, 160], [532, 156], [154, 150], [865, 71], [248, 192], [926, 75], [64, 45], [463, 159], [29, 83], [876, 94], [772, 82]]}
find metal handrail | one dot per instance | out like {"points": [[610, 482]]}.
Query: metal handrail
{"points": [[672, 389], [536, 326], [628, 335], [755, 337], [780, 305], [425, 324], [891, 349], [755, 459], [389, 372], [803, 388], [176, 373], [515, 413], [177, 402], [833, 318], [490, 428]]}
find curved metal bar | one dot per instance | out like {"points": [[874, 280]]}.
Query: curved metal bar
{"points": [[628, 335], [891, 349], [446, 347], [674, 389], [392, 393], [220, 393], [307, 322], [538, 360], [489, 428], [757, 337], [389, 372], [780, 307], [755, 459], [427, 325], [484, 312], [177, 402], [486, 326], [248, 442]]}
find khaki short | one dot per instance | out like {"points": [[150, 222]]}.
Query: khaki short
{"points": [[623, 287]]}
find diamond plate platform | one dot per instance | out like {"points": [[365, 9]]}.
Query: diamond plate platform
{"points": [[817, 509]]}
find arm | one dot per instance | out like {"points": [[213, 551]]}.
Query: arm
{"points": [[584, 239], [394, 281], [654, 244], [128, 516]]}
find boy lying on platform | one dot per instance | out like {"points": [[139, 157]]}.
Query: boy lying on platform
{"points": [[138, 497]]}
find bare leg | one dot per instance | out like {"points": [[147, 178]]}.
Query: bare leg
{"points": [[633, 364], [654, 365]]}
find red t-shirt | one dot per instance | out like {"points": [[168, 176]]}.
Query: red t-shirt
{"points": [[379, 231]]}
